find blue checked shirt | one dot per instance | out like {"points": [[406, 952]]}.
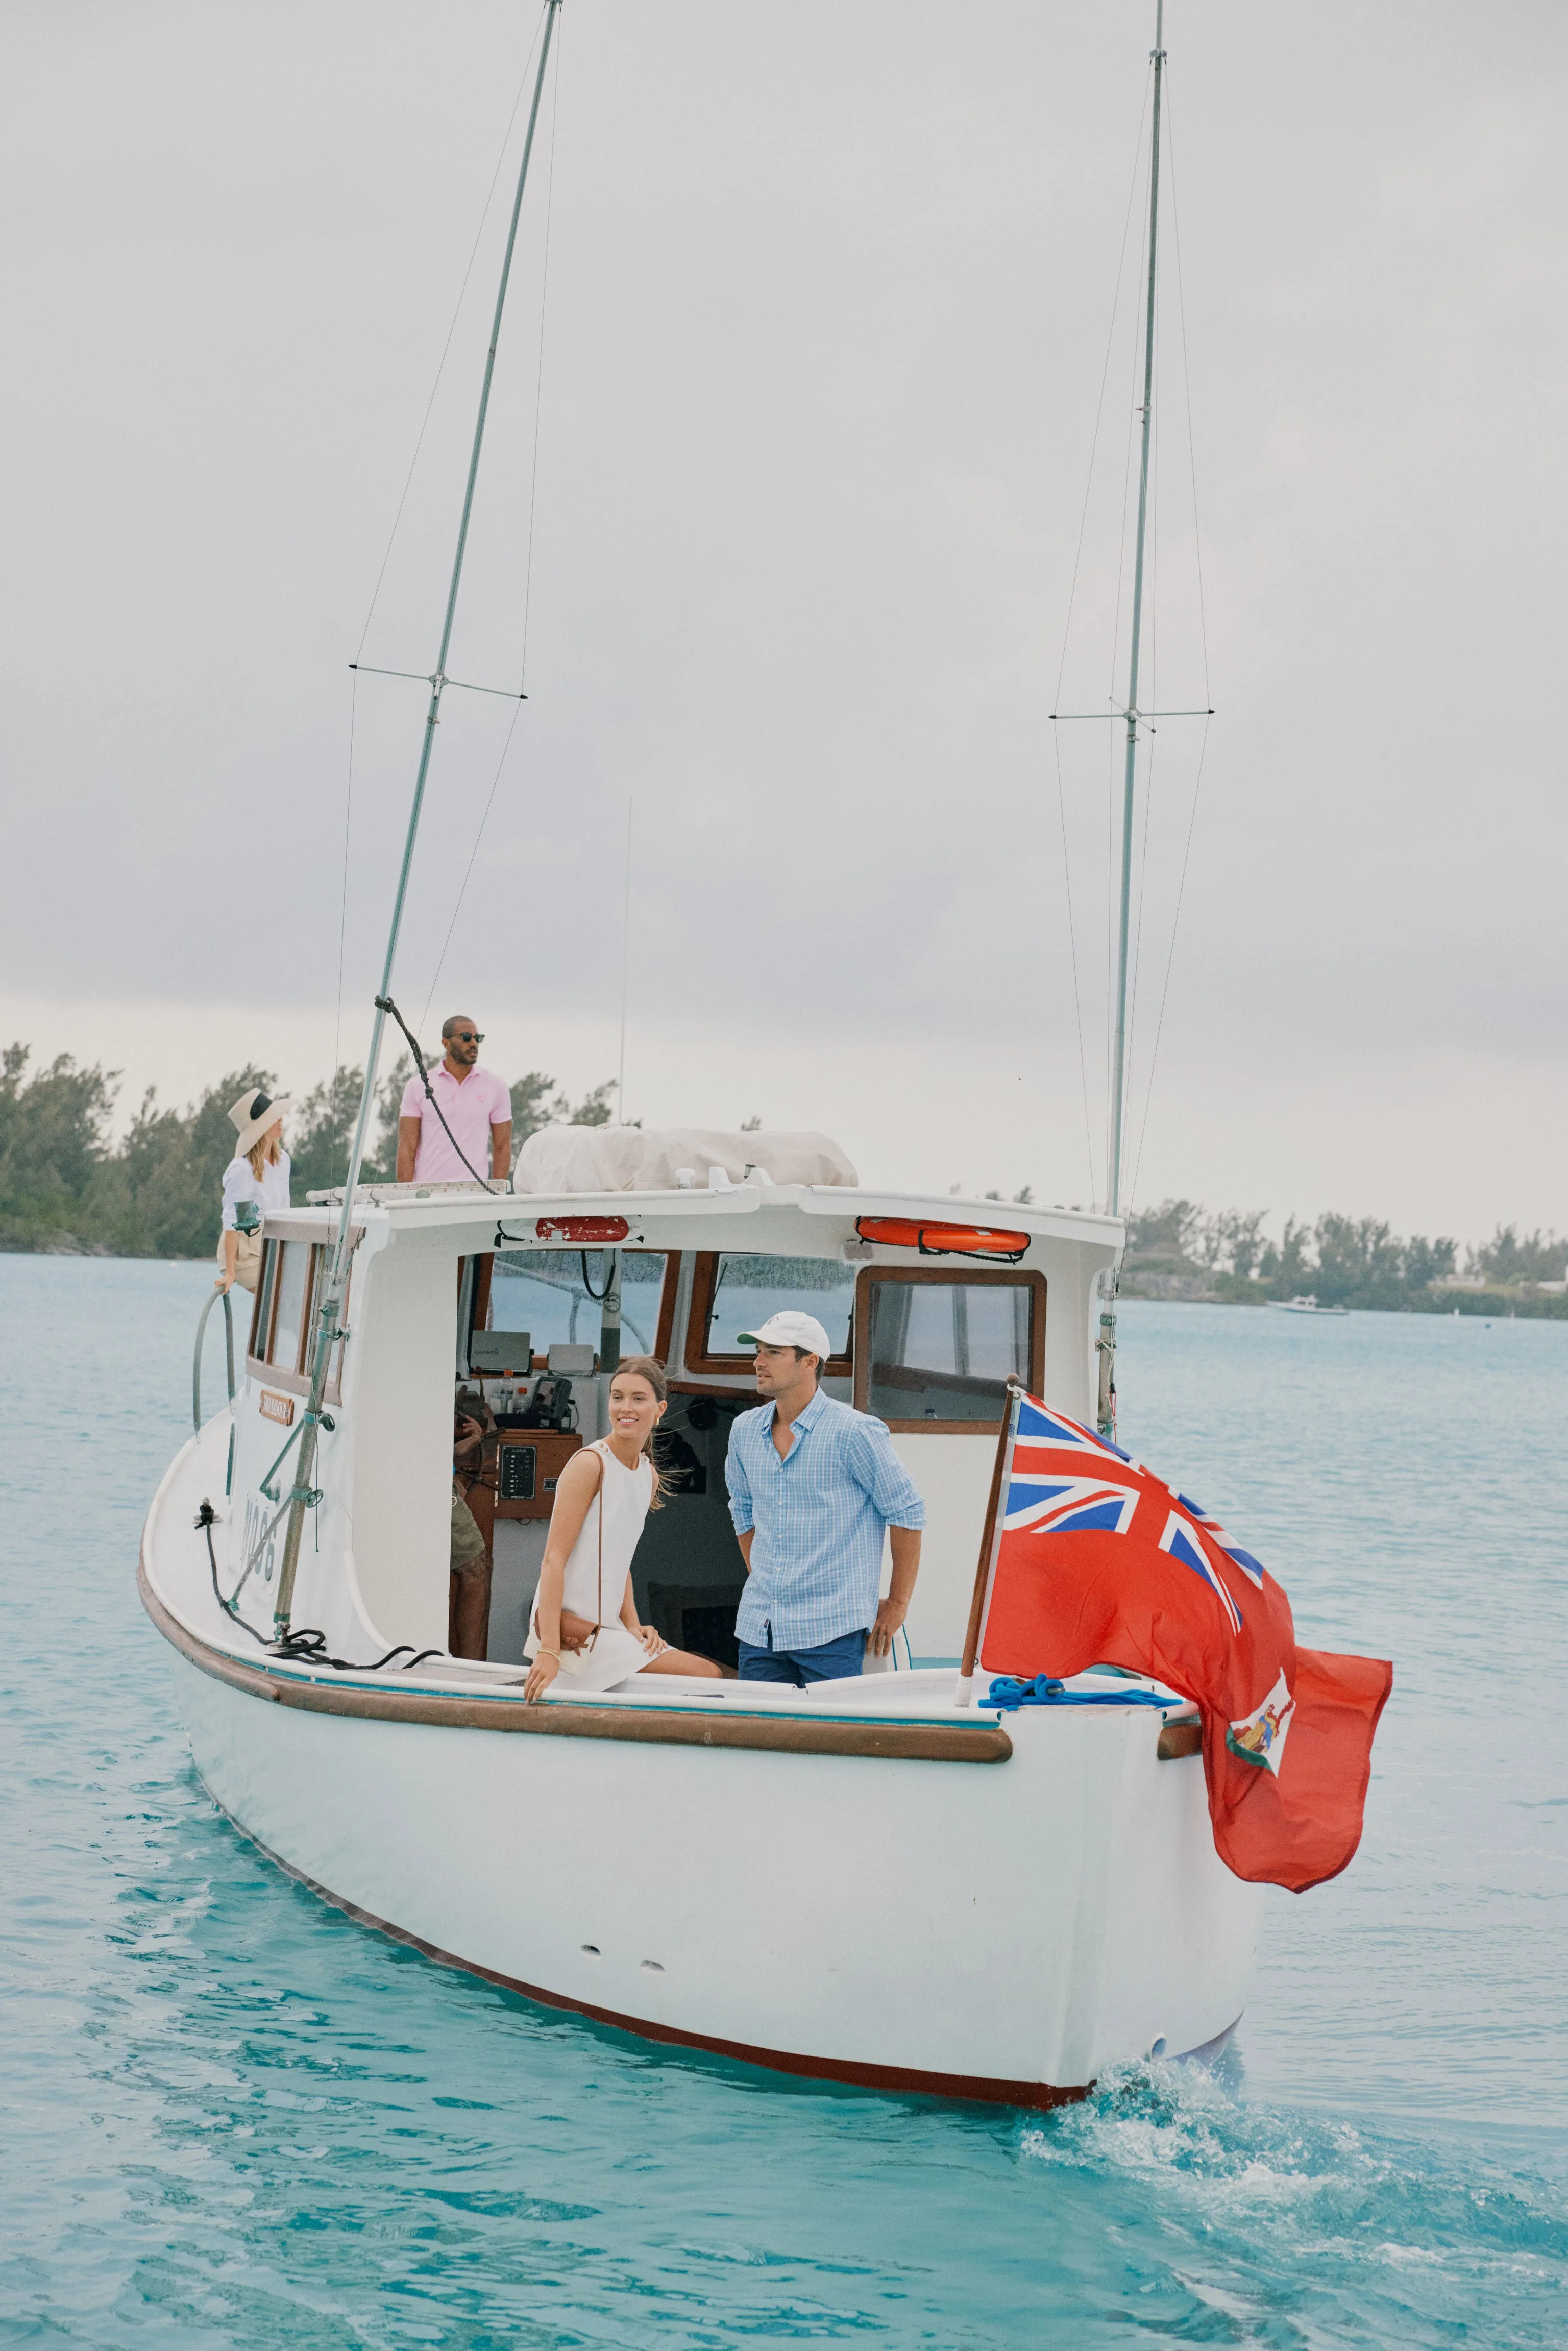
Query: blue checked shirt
{"points": [[819, 1515]]}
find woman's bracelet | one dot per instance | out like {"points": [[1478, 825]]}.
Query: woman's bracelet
{"points": [[542, 1652]]}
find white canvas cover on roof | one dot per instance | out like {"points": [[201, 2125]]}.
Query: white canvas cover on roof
{"points": [[648, 1159]]}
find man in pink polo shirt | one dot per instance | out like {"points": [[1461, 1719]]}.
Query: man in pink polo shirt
{"points": [[475, 1104]]}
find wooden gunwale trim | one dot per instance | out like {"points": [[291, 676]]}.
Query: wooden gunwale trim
{"points": [[888, 1742], [908, 2080]]}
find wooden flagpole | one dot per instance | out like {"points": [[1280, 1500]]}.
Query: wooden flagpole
{"points": [[962, 1694]]}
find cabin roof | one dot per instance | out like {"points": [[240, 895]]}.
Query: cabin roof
{"points": [[699, 1218]]}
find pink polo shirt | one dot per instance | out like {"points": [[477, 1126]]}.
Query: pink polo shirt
{"points": [[471, 1110]]}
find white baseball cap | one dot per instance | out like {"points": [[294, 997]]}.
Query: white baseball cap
{"points": [[790, 1329]]}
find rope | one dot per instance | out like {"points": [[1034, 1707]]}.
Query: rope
{"points": [[307, 1647], [385, 1004]]}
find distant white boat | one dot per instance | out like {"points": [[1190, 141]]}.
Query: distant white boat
{"points": [[1308, 1305]]}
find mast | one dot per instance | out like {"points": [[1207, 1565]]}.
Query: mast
{"points": [[1107, 1341], [303, 1495]]}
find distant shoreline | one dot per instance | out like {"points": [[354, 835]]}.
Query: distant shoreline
{"points": [[1491, 1305]]}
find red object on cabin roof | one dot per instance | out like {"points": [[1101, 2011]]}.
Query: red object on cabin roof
{"points": [[593, 1232], [943, 1240], [1098, 1562]]}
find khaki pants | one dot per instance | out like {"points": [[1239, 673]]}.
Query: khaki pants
{"points": [[248, 1261], [468, 1542]]}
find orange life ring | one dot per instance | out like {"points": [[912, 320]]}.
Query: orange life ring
{"points": [[943, 1240]]}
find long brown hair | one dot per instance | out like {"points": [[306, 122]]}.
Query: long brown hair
{"points": [[645, 1368], [263, 1154]]}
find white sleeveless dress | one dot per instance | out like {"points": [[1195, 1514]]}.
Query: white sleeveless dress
{"points": [[595, 1585]]}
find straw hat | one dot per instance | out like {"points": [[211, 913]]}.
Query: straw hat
{"points": [[253, 1114]]}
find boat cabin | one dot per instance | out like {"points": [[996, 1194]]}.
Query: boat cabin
{"points": [[526, 1301]]}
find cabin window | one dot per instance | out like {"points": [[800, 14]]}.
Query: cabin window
{"points": [[936, 1350], [292, 1308], [284, 1318], [261, 1313], [731, 1293], [544, 1292]]}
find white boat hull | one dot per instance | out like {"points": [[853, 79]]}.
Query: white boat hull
{"points": [[993, 1931]]}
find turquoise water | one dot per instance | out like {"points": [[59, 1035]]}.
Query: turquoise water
{"points": [[228, 2116]]}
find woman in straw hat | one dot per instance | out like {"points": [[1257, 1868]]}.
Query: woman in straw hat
{"points": [[255, 1179]]}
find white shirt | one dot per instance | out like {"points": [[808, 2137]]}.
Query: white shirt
{"points": [[240, 1183]]}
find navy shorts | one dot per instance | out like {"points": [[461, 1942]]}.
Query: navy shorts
{"points": [[831, 1661]]}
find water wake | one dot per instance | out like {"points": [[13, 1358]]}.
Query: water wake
{"points": [[1292, 2229]]}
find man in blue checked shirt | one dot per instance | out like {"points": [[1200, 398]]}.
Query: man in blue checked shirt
{"points": [[812, 1486]]}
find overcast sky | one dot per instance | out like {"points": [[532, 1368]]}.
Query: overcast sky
{"points": [[830, 290]]}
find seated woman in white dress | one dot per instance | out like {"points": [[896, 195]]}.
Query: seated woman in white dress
{"points": [[584, 1621]]}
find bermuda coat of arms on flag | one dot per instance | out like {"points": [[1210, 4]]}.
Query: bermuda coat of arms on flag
{"points": [[1096, 1561]]}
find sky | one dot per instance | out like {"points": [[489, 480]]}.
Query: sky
{"points": [[803, 506]]}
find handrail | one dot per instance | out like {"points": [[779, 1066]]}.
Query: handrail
{"points": [[213, 1299]]}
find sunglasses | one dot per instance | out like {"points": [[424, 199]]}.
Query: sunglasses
{"points": [[466, 1037]]}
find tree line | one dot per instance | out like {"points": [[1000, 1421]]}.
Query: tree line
{"points": [[66, 1184], [1180, 1249]]}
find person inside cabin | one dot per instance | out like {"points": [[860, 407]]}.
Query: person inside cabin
{"points": [[584, 1623], [475, 1104], [470, 1559], [813, 1487], [255, 1179]]}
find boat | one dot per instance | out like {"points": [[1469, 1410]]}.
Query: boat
{"points": [[1307, 1305], [893, 1879]]}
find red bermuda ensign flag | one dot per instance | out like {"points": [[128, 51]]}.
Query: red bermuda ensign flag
{"points": [[1098, 1562]]}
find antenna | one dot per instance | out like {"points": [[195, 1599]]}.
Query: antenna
{"points": [[625, 968]]}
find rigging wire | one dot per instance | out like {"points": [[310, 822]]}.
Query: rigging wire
{"points": [[1186, 378], [451, 330], [1152, 698], [625, 972], [397, 519], [539, 378], [468, 869], [1135, 410], [528, 566], [1203, 636], [343, 902], [1099, 404], [1067, 631]]}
